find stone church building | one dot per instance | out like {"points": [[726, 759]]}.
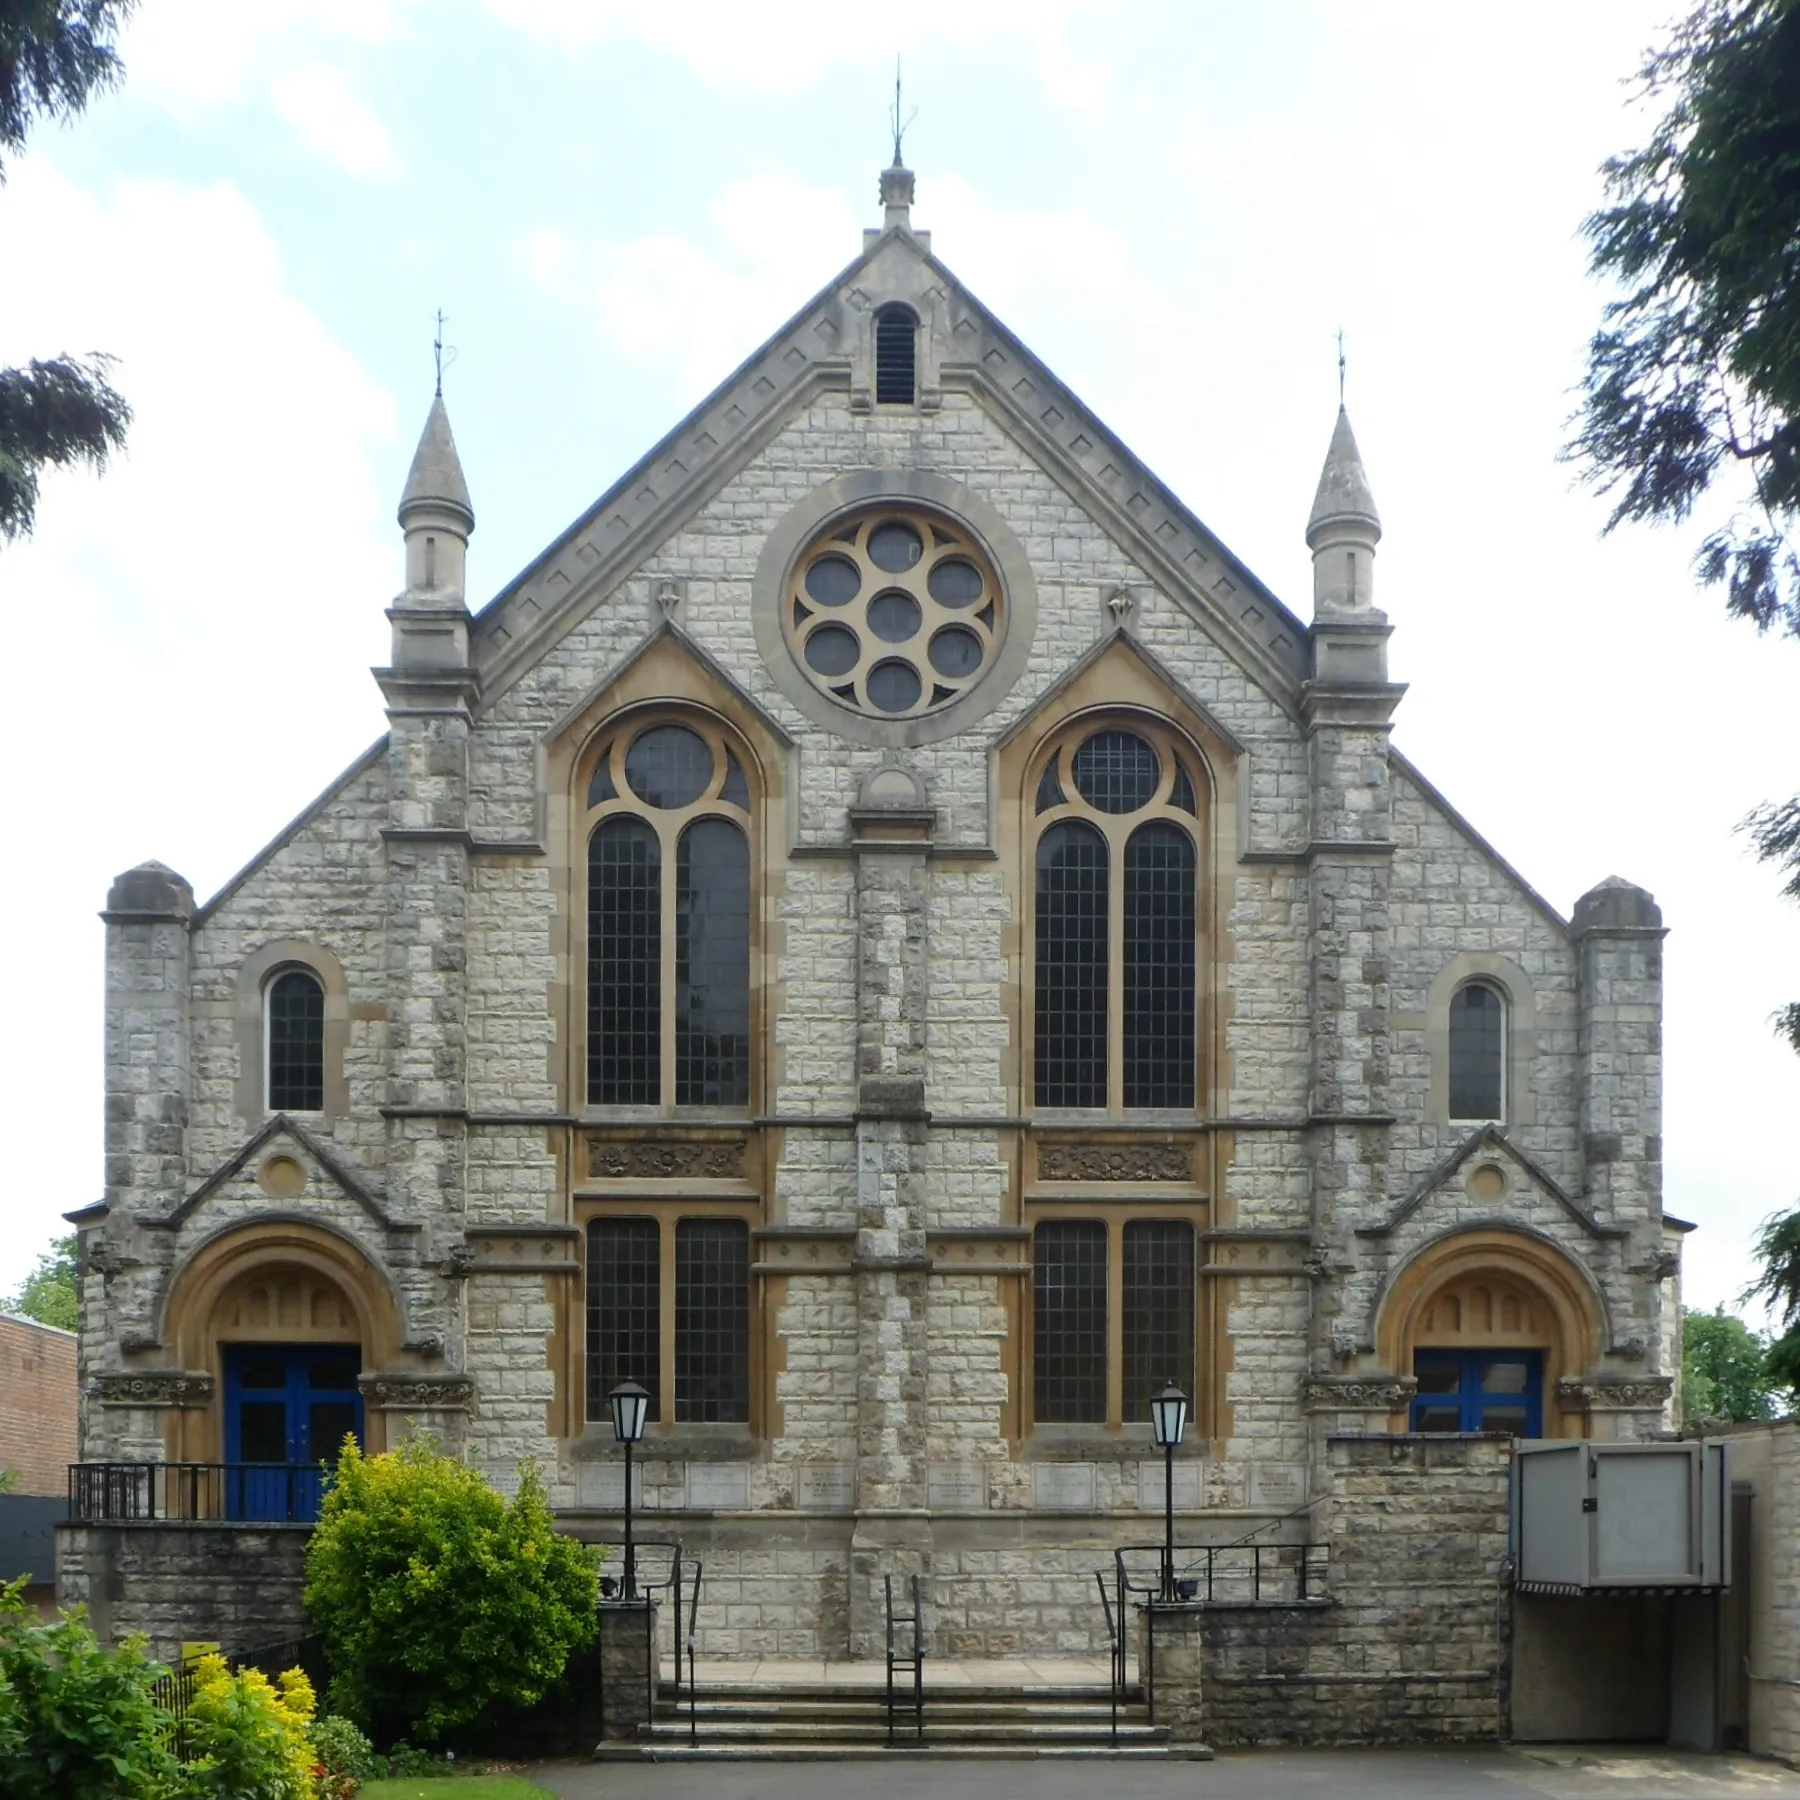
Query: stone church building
{"points": [[888, 934]]}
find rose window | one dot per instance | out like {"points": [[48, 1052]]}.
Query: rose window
{"points": [[894, 612]]}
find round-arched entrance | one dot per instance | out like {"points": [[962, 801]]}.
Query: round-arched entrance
{"points": [[1488, 1323]]}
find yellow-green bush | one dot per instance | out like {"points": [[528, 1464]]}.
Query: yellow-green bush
{"points": [[246, 1736]]}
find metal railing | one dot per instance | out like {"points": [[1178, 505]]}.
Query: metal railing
{"points": [[174, 1690], [662, 1567], [255, 1493], [905, 1655], [1115, 1644]]}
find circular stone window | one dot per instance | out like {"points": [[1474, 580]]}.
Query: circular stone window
{"points": [[894, 612]]}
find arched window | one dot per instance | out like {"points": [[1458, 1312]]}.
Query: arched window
{"points": [[668, 960], [1477, 1052], [896, 356], [1116, 924], [294, 1040]]}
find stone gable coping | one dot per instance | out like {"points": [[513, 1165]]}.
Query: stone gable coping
{"points": [[1489, 1137], [282, 1125]]}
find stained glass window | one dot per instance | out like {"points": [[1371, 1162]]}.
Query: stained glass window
{"points": [[712, 965], [624, 964], [1159, 967], [296, 1026], [1071, 1014]]}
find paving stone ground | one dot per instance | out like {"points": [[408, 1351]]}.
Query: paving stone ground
{"points": [[1547, 1772]]}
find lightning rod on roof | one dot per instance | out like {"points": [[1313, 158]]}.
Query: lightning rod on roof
{"points": [[895, 121]]}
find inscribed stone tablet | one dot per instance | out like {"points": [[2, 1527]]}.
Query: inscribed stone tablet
{"points": [[1063, 1487], [955, 1487], [826, 1487], [602, 1485], [1278, 1487], [718, 1487], [1150, 1486], [502, 1477]]}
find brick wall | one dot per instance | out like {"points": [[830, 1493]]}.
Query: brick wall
{"points": [[1410, 1648], [38, 1401]]}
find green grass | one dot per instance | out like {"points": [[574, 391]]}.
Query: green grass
{"points": [[472, 1787]]}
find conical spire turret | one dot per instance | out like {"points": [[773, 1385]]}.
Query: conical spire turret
{"points": [[436, 515], [1344, 528]]}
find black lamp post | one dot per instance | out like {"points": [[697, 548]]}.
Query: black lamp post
{"points": [[1168, 1420], [630, 1408]]}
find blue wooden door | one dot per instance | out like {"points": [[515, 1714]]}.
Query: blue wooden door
{"points": [[287, 1410], [1479, 1390]]}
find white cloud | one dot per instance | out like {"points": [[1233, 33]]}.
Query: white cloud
{"points": [[189, 634], [332, 118]]}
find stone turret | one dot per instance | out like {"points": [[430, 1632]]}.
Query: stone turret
{"points": [[1344, 528], [430, 617]]}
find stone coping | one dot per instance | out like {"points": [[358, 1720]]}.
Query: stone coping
{"points": [[941, 1672]]}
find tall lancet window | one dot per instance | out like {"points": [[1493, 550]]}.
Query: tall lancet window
{"points": [[1116, 925], [668, 920], [294, 1035], [1477, 1052]]}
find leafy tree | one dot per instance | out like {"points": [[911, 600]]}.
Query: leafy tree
{"points": [[49, 1294], [1723, 1374], [438, 1600], [1693, 380], [54, 54], [1778, 1249]]}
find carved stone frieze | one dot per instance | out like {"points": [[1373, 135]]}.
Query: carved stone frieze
{"points": [[154, 1387], [1115, 1162], [721, 1159], [1640, 1394], [417, 1393], [1373, 1393]]}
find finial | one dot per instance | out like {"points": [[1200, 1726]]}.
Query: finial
{"points": [[442, 354], [895, 121], [1340, 336]]}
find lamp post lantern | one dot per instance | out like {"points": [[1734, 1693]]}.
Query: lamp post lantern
{"points": [[1168, 1420], [630, 1404]]}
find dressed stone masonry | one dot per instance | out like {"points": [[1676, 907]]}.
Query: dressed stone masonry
{"points": [[896, 1158]]}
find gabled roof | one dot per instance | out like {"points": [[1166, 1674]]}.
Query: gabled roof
{"points": [[810, 354]]}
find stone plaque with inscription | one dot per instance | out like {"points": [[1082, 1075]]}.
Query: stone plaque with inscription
{"points": [[603, 1485], [1187, 1486], [826, 1487], [955, 1487], [718, 1487], [502, 1477], [1063, 1487], [1277, 1487]]}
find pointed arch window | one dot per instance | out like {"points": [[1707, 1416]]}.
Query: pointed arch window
{"points": [[1116, 923], [668, 920], [1478, 1052], [294, 1041], [896, 356]]}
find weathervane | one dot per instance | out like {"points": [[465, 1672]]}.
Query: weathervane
{"points": [[898, 124], [441, 354], [1340, 336]]}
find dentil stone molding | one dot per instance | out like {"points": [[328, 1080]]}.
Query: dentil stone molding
{"points": [[1616, 1396], [157, 1387], [417, 1393], [1375, 1393]]}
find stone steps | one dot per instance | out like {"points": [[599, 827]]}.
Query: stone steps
{"points": [[733, 1721]]}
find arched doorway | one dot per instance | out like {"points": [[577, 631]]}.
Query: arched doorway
{"points": [[1488, 1322]]}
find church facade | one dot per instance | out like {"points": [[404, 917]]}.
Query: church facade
{"points": [[890, 936]]}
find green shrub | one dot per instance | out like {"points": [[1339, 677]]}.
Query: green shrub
{"points": [[78, 1722], [246, 1736], [344, 1754], [437, 1599]]}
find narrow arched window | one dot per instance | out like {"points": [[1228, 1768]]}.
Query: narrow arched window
{"points": [[1477, 1052], [668, 960], [896, 356], [294, 1012], [1116, 924]]}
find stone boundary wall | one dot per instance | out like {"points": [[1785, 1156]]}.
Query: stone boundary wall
{"points": [[234, 1585], [1413, 1646]]}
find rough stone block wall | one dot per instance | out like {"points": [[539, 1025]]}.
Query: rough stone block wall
{"points": [[38, 1404], [1410, 1647], [1779, 1664], [231, 1585]]}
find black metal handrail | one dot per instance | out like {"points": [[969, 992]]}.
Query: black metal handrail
{"points": [[663, 1567], [901, 1660], [1115, 1645], [108, 1493], [1225, 1574]]}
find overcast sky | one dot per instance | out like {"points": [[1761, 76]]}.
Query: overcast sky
{"points": [[1177, 205]]}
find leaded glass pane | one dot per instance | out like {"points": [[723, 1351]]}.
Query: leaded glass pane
{"points": [[600, 788], [1477, 1052], [669, 766], [1181, 794], [1068, 1285], [624, 965], [1159, 1278], [624, 1311], [1159, 967], [712, 965], [712, 1321], [1049, 788], [736, 791], [1070, 1035], [296, 1043], [1116, 771]]}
